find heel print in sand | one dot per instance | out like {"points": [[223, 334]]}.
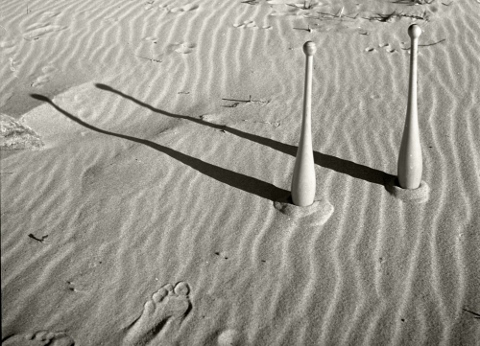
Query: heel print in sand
{"points": [[168, 307]]}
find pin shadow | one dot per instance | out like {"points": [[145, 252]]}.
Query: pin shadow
{"points": [[237, 180], [475, 315], [336, 164]]}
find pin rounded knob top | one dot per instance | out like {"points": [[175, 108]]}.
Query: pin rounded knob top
{"points": [[309, 48], [414, 31]]}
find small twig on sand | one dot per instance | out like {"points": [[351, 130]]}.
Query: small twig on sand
{"points": [[427, 45], [451, 2], [307, 29], [146, 58], [37, 239], [327, 14], [250, 100], [250, 2], [431, 44], [235, 100], [390, 17], [233, 105], [335, 16]]}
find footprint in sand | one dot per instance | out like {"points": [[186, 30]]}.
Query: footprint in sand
{"points": [[168, 307], [288, 8], [40, 81], [250, 24], [152, 39], [229, 337], [35, 31], [183, 47], [186, 8], [50, 14], [387, 47], [41, 338], [8, 44], [14, 64], [246, 24]]}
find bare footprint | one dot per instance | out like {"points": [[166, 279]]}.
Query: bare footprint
{"points": [[50, 14], [186, 8], [246, 24], [183, 47], [35, 31], [168, 305], [8, 44], [40, 338], [14, 64], [40, 81], [152, 39], [229, 337]]}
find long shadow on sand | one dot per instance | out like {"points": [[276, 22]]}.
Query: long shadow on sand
{"points": [[327, 161], [237, 180]]}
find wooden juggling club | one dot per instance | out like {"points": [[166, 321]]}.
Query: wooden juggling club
{"points": [[303, 181], [410, 157]]}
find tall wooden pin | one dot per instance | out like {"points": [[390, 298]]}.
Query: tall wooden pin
{"points": [[410, 157], [303, 181]]}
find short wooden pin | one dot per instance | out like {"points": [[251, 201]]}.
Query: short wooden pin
{"points": [[303, 181], [410, 157]]}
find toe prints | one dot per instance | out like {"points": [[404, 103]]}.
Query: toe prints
{"points": [[388, 48], [167, 307], [43, 79], [43, 338], [14, 64]]}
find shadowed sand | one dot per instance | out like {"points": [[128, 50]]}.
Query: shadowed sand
{"points": [[326, 161], [237, 180]]}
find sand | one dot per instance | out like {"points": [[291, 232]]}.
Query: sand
{"points": [[147, 155]]}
